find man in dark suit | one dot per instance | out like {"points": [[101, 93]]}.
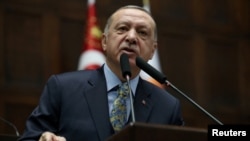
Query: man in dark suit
{"points": [[77, 105]]}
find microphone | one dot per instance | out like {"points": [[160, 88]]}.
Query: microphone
{"points": [[10, 124], [161, 78], [126, 73]]}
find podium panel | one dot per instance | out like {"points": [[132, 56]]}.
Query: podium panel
{"points": [[155, 132]]}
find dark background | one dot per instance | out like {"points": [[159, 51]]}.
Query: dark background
{"points": [[203, 47]]}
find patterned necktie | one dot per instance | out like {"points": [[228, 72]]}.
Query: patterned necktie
{"points": [[118, 115]]}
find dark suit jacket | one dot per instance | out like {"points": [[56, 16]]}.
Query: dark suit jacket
{"points": [[75, 105]]}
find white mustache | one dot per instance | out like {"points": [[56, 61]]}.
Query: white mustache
{"points": [[129, 48]]}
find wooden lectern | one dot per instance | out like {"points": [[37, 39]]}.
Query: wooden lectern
{"points": [[155, 132]]}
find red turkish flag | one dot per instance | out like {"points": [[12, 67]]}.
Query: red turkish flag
{"points": [[92, 55]]}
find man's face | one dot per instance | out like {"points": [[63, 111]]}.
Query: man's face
{"points": [[132, 32]]}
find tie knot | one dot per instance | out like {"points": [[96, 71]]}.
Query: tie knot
{"points": [[123, 89]]}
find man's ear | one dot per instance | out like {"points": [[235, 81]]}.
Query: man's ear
{"points": [[104, 42], [155, 46]]}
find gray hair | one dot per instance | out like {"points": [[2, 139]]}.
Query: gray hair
{"points": [[109, 21]]}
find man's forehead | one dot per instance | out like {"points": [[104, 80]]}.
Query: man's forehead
{"points": [[130, 12]]}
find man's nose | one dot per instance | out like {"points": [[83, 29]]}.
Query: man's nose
{"points": [[131, 36]]}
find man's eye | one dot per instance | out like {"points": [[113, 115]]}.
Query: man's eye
{"points": [[122, 29], [143, 33]]}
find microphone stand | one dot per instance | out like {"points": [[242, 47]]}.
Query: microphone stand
{"points": [[161, 78], [131, 99], [10, 124], [192, 101], [126, 73]]}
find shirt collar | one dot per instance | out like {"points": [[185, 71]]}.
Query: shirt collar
{"points": [[112, 80]]}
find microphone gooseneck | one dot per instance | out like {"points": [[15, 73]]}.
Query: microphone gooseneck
{"points": [[10, 124], [161, 78], [126, 73]]}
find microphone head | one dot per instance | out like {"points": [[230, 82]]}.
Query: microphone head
{"points": [[161, 78], [125, 66]]}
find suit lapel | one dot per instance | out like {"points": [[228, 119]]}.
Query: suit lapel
{"points": [[143, 104], [96, 96]]}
